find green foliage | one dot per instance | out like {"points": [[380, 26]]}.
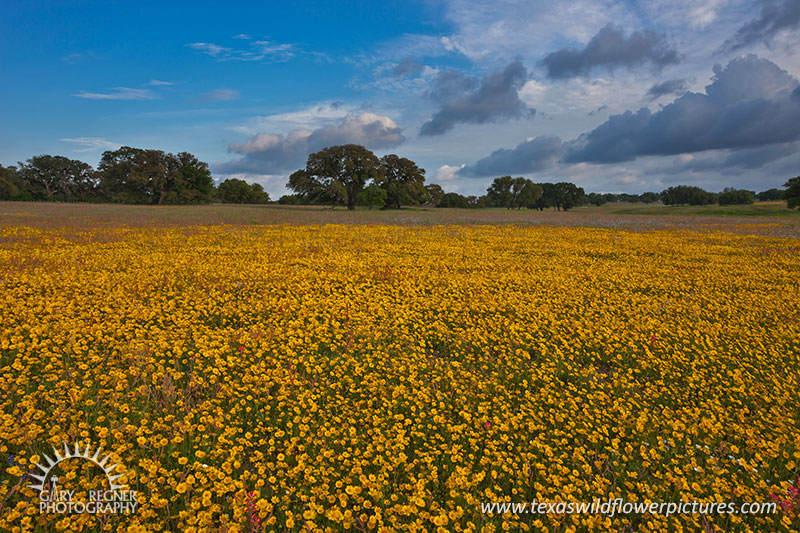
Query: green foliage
{"points": [[649, 197], [434, 194], [596, 199], [499, 192], [336, 174], [372, 196], [236, 191], [687, 195], [560, 196], [513, 193], [194, 184], [291, 199], [12, 187], [730, 196], [137, 176], [569, 195], [453, 199], [770, 195], [792, 193], [403, 181], [57, 178]]}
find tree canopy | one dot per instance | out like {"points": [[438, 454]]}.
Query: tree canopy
{"points": [[54, 177], [236, 191], [337, 174], [792, 193], [138, 176], [513, 193], [687, 195], [731, 196], [403, 181]]}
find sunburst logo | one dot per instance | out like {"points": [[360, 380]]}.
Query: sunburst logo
{"points": [[77, 453], [115, 499]]}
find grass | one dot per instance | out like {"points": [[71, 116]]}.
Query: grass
{"points": [[760, 209], [612, 216]]}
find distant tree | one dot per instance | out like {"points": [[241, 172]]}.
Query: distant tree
{"points": [[127, 174], [700, 197], [475, 202], [12, 187], [50, 177], [611, 197], [524, 193], [628, 198], [193, 183], [569, 195], [770, 195], [434, 194], [730, 196], [236, 191], [512, 193], [792, 193], [684, 194], [453, 199], [138, 176], [499, 192], [372, 196], [261, 195], [649, 197], [548, 197], [336, 174], [291, 199], [596, 199], [403, 181], [307, 190]]}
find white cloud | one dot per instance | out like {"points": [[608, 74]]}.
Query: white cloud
{"points": [[120, 93], [687, 13], [446, 176], [502, 30], [256, 51], [159, 83], [90, 144], [275, 153], [615, 92], [311, 117]]}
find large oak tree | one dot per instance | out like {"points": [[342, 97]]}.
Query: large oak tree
{"points": [[336, 174]]}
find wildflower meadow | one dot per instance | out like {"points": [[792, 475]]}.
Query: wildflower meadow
{"points": [[374, 378]]}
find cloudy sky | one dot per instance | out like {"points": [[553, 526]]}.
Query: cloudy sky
{"points": [[614, 95]]}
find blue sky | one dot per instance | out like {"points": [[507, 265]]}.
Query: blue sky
{"points": [[612, 95]]}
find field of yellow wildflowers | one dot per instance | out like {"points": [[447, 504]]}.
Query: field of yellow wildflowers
{"points": [[393, 378]]}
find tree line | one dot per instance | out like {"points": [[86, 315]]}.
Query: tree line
{"points": [[351, 175], [346, 175], [127, 175]]}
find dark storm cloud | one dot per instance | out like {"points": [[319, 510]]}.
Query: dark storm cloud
{"points": [[747, 105], [540, 153], [464, 99], [597, 110], [406, 68], [269, 153], [667, 87], [610, 49], [774, 18], [728, 161]]}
